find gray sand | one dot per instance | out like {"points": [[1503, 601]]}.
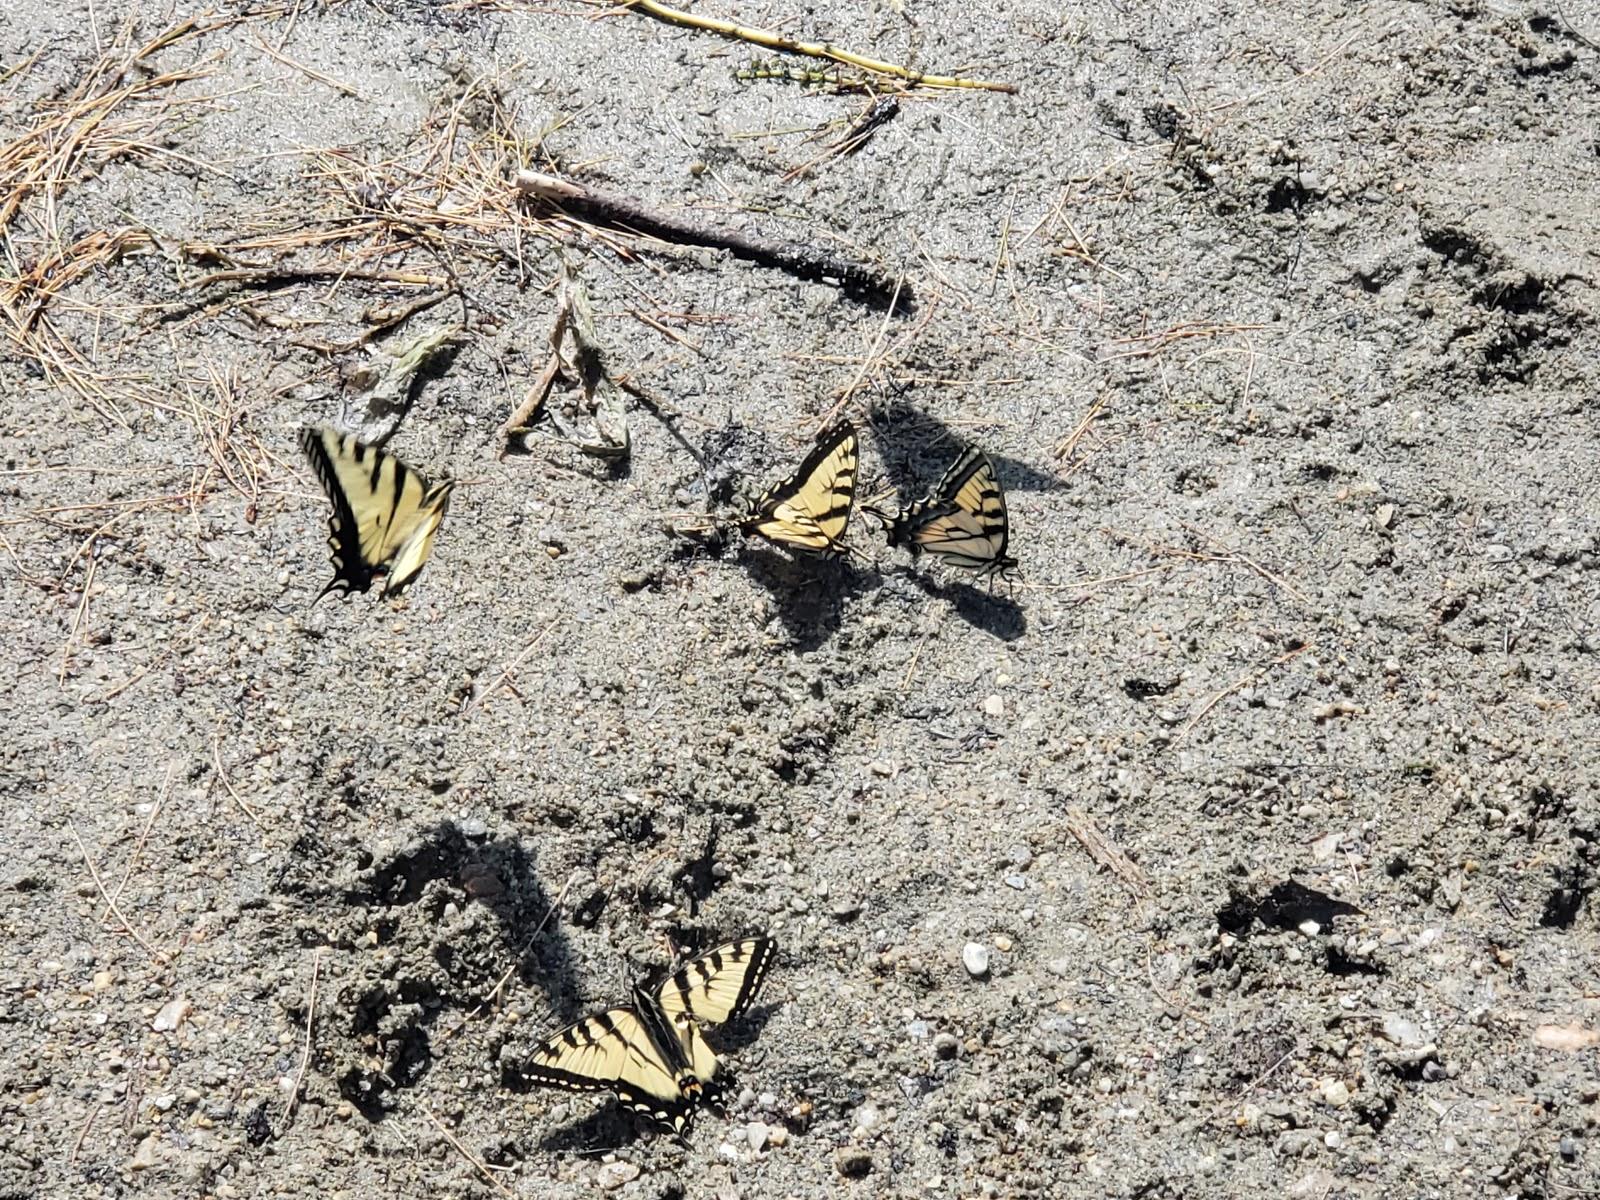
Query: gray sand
{"points": [[1279, 323]]}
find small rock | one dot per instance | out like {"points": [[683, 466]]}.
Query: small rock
{"points": [[1401, 1031], [994, 706], [171, 1015], [1059, 967], [756, 1133], [145, 1156], [1016, 880], [853, 1162], [975, 958], [845, 910], [917, 1030], [613, 1175], [1021, 857], [1335, 1093], [867, 1117], [1384, 516], [103, 980], [881, 767], [1002, 943], [777, 1136]]}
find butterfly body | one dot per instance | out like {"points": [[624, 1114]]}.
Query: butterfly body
{"points": [[810, 510], [962, 521], [385, 514], [651, 1052]]}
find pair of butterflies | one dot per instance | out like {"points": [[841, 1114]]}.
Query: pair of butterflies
{"points": [[651, 1052], [961, 521]]}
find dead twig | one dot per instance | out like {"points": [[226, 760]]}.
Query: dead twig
{"points": [[776, 41], [482, 697], [222, 776], [467, 1154], [1106, 852], [144, 836], [305, 1053], [555, 907], [155, 956], [1242, 682], [803, 262]]}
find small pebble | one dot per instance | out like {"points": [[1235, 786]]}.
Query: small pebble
{"points": [[994, 706], [845, 910], [171, 1015], [882, 768], [1021, 857], [1335, 1093], [611, 1176], [756, 1133], [1016, 880], [103, 980], [867, 1117], [1401, 1031], [145, 1156], [975, 958], [1002, 943]]}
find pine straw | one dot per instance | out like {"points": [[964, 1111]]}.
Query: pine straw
{"points": [[103, 119], [417, 221]]}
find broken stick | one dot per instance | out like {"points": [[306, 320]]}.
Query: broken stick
{"points": [[805, 262]]}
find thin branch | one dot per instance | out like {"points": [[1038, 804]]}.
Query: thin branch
{"points": [[803, 262], [305, 1053], [155, 956], [776, 41]]}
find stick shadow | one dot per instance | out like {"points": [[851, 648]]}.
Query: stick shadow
{"points": [[916, 447]]}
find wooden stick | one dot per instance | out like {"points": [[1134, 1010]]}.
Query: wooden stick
{"points": [[216, 759], [776, 41], [155, 957], [1234, 687], [466, 1154], [483, 697], [803, 262], [555, 907], [1106, 852], [305, 1054]]}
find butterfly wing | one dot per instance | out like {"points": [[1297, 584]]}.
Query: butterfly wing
{"points": [[810, 510], [712, 989], [963, 521], [385, 514], [614, 1050], [719, 985]]}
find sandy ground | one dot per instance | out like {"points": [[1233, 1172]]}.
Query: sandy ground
{"points": [[1269, 790]]}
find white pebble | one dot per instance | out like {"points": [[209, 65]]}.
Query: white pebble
{"points": [[976, 959]]}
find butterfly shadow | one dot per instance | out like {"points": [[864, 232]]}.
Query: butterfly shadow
{"points": [[992, 612], [810, 593], [916, 447], [449, 964]]}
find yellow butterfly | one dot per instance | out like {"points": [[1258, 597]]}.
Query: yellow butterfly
{"points": [[650, 1053], [963, 520], [385, 514], [810, 509]]}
